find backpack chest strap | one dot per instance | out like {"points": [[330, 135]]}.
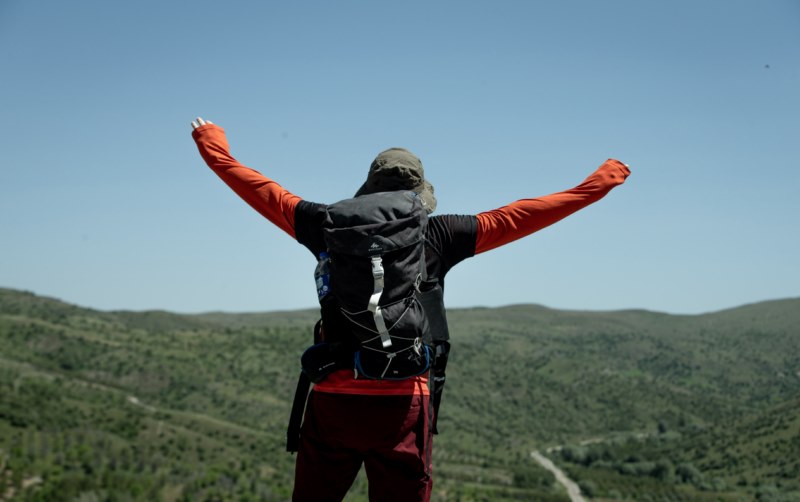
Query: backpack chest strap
{"points": [[377, 291]]}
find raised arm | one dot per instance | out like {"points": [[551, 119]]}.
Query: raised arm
{"points": [[263, 194], [526, 216]]}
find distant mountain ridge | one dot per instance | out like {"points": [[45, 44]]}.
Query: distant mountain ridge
{"points": [[11, 299], [196, 404]]}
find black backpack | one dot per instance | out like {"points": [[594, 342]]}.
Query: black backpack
{"points": [[381, 318], [376, 245]]}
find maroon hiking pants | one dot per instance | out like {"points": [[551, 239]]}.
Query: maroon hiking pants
{"points": [[388, 434]]}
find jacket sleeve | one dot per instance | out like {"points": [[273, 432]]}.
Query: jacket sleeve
{"points": [[263, 194], [526, 216]]}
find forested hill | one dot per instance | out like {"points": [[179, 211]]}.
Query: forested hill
{"points": [[161, 406]]}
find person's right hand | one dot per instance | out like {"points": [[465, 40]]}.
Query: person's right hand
{"points": [[200, 122]]}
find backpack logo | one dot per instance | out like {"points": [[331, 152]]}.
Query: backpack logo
{"points": [[375, 248]]}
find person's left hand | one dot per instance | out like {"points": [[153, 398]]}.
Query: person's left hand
{"points": [[200, 122]]}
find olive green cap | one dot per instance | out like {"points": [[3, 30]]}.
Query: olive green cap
{"points": [[398, 169]]}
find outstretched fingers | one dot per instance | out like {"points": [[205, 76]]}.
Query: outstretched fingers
{"points": [[199, 122]]}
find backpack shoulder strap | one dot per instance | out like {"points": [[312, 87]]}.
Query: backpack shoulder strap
{"points": [[298, 409], [432, 300], [299, 402]]}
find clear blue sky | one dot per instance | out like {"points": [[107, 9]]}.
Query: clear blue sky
{"points": [[104, 201]]}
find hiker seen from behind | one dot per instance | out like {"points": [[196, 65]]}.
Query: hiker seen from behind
{"points": [[376, 367]]}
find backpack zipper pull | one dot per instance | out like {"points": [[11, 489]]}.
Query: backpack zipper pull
{"points": [[389, 356]]}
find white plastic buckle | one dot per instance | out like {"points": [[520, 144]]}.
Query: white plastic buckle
{"points": [[377, 267]]}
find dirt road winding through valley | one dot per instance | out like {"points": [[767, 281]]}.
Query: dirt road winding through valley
{"points": [[573, 490]]}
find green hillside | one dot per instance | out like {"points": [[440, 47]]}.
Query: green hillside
{"points": [[632, 404]]}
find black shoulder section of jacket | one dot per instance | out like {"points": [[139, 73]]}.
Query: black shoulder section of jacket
{"points": [[308, 219], [451, 239]]}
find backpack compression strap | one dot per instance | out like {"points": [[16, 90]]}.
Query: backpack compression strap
{"points": [[377, 291]]}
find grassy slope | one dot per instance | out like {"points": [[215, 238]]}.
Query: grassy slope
{"points": [[214, 392]]}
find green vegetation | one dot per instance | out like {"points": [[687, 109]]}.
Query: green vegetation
{"points": [[756, 455], [633, 405]]}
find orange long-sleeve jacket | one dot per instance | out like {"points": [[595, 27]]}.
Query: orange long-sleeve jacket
{"points": [[482, 232]]}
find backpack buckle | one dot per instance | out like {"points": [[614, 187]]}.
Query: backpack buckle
{"points": [[374, 301], [377, 267]]}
